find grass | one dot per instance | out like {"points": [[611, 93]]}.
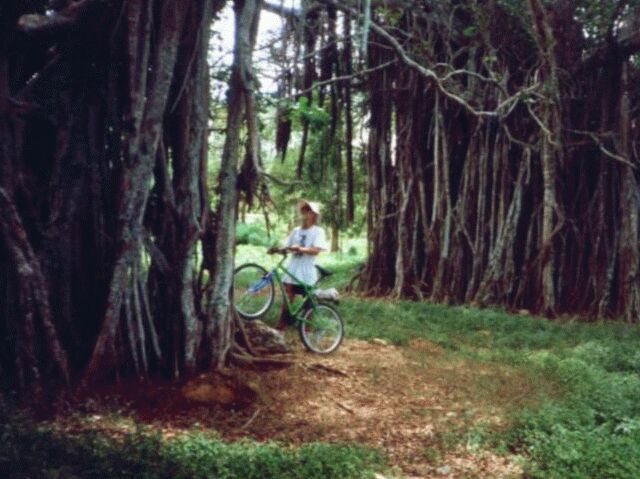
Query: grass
{"points": [[37, 451], [585, 420]]}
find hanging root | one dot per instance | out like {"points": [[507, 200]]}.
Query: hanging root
{"points": [[33, 300], [239, 357], [242, 332], [133, 330], [243, 354]]}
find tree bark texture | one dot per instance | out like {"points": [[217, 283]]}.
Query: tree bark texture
{"points": [[103, 147], [534, 207], [241, 104]]}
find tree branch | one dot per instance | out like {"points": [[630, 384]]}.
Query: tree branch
{"points": [[621, 159], [339, 79], [410, 62], [54, 23]]}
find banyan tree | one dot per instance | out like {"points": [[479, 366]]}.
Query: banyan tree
{"points": [[505, 173], [503, 146], [502, 149], [112, 261]]}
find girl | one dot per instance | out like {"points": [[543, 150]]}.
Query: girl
{"points": [[305, 242]]}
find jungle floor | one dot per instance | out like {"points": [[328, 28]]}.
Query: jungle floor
{"points": [[414, 402]]}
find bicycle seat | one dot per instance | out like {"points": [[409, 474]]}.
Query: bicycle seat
{"points": [[324, 273]]}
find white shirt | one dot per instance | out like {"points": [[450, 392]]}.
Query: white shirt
{"points": [[303, 266]]}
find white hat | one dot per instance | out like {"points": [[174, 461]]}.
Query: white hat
{"points": [[313, 206]]}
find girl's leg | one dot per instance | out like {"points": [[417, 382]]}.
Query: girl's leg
{"points": [[289, 290]]}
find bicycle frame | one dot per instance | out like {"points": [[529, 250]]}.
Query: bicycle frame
{"points": [[308, 291]]}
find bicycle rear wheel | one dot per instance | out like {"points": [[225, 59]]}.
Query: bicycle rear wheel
{"points": [[322, 330], [253, 291]]}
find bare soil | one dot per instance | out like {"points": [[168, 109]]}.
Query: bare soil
{"points": [[414, 402]]}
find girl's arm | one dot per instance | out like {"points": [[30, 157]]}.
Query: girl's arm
{"points": [[312, 250]]}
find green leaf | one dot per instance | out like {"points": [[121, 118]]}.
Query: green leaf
{"points": [[470, 31]]}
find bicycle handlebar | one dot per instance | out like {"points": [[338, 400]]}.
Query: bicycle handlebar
{"points": [[275, 250]]}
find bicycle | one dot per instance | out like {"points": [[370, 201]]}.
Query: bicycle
{"points": [[320, 325]]}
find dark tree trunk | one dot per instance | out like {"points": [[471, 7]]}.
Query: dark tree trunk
{"points": [[105, 209], [535, 209], [629, 254]]}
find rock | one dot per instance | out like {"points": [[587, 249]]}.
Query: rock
{"points": [[379, 342], [210, 393], [221, 390], [265, 338]]}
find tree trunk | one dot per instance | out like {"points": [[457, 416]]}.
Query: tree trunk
{"points": [[628, 255], [348, 115], [110, 201], [141, 150], [219, 329], [530, 208]]}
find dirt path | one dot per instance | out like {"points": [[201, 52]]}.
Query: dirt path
{"points": [[414, 402]]}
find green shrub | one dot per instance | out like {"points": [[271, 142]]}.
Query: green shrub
{"points": [[30, 450], [577, 443], [593, 431], [252, 234]]}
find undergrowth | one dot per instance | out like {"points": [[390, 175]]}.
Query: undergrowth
{"points": [[586, 419], [38, 451]]}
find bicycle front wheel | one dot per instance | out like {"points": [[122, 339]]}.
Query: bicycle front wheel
{"points": [[253, 291], [322, 329]]}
